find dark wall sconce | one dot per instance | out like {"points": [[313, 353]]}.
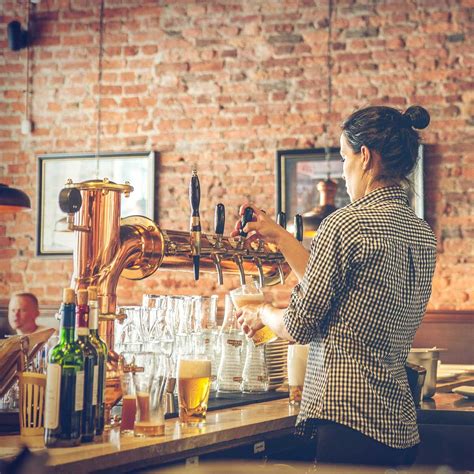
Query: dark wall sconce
{"points": [[17, 36]]}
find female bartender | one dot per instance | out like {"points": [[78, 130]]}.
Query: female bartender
{"points": [[362, 293]]}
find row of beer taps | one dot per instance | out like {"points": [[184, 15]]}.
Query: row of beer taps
{"points": [[240, 249]]}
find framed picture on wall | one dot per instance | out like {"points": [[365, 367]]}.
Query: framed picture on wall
{"points": [[138, 168], [299, 171]]}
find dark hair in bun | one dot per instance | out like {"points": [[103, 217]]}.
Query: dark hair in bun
{"points": [[390, 133], [418, 116]]}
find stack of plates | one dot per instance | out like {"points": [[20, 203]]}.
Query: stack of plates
{"points": [[276, 357]]}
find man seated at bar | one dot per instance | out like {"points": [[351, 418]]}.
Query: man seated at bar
{"points": [[361, 296], [23, 310]]}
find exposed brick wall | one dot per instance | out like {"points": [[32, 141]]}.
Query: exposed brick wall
{"points": [[224, 85]]}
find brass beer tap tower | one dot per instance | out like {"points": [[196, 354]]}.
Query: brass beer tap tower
{"points": [[107, 246]]}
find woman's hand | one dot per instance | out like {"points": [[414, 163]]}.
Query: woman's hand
{"points": [[261, 227], [249, 320]]}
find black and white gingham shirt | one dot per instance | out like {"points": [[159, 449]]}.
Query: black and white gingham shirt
{"points": [[361, 300]]}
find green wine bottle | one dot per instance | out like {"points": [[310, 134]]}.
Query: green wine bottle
{"points": [[102, 350], [65, 382], [91, 368]]}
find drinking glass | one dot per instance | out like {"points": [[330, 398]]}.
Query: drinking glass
{"points": [[229, 374], [129, 402], [251, 294], [205, 333], [297, 359], [149, 382], [255, 373], [194, 383]]}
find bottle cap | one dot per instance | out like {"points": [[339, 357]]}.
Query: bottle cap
{"points": [[92, 292], [81, 296], [68, 296]]}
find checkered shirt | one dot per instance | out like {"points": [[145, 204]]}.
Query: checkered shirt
{"points": [[360, 302]]}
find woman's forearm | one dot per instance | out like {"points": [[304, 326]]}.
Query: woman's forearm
{"points": [[295, 254], [273, 318]]}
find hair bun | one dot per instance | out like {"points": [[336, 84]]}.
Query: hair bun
{"points": [[418, 116]]}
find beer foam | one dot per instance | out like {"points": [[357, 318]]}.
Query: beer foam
{"points": [[243, 300], [194, 368]]}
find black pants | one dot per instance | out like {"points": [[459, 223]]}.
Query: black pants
{"points": [[338, 444]]}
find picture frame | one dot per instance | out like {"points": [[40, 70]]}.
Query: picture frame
{"points": [[138, 168], [298, 171]]}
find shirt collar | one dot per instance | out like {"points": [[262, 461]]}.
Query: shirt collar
{"points": [[388, 193]]}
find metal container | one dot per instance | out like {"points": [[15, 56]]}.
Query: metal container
{"points": [[416, 375], [427, 358]]}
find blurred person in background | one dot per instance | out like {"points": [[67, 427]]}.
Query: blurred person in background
{"points": [[23, 310]]}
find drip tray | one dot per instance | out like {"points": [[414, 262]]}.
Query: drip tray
{"points": [[219, 401]]}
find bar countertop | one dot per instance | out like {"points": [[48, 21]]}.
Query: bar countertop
{"points": [[224, 429]]}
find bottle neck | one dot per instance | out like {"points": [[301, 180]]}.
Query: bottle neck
{"points": [[93, 316], [82, 318], [68, 323]]}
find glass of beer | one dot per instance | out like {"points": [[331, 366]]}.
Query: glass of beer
{"points": [[149, 383], [194, 384], [129, 403], [297, 359], [251, 294]]}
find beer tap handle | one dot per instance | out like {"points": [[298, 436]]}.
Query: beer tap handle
{"points": [[219, 220], [281, 219], [247, 217], [219, 223], [298, 224], [195, 227]]}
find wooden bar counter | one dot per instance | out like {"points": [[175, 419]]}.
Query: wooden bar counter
{"points": [[224, 429], [446, 422]]}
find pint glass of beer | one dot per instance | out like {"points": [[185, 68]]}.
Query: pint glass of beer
{"points": [[251, 294], [194, 384], [297, 359]]}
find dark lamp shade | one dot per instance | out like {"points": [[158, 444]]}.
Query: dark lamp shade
{"points": [[13, 200]]}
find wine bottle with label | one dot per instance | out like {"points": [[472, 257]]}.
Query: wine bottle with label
{"points": [[65, 382], [102, 350], [91, 368]]}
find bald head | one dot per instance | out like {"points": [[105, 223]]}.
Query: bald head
{"points": [[22, 313]]}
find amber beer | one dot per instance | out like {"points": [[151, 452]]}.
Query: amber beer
{"points": [[129, 410], [145, 424], [194, 384], [263, 335]]}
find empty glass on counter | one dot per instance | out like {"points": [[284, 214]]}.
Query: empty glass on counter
{"points": [[251, 294], [229, 374], [194, 384], [206, 333], [255, 373]]}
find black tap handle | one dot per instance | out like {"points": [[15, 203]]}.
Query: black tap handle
{"points": [[298, 227], [219, 219], [247, 217], [281, 219], [70, 200], [194, 193]]}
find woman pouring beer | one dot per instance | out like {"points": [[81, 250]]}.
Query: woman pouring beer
{"points": [[362, 292]]}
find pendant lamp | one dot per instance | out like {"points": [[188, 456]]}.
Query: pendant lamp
{"points": [[13, 200], [312, 219]]}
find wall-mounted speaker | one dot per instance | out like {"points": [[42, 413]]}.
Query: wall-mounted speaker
{"points": [[17, 36]]}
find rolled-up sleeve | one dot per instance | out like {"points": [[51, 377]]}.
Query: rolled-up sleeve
{"points": [[332, 251]]}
